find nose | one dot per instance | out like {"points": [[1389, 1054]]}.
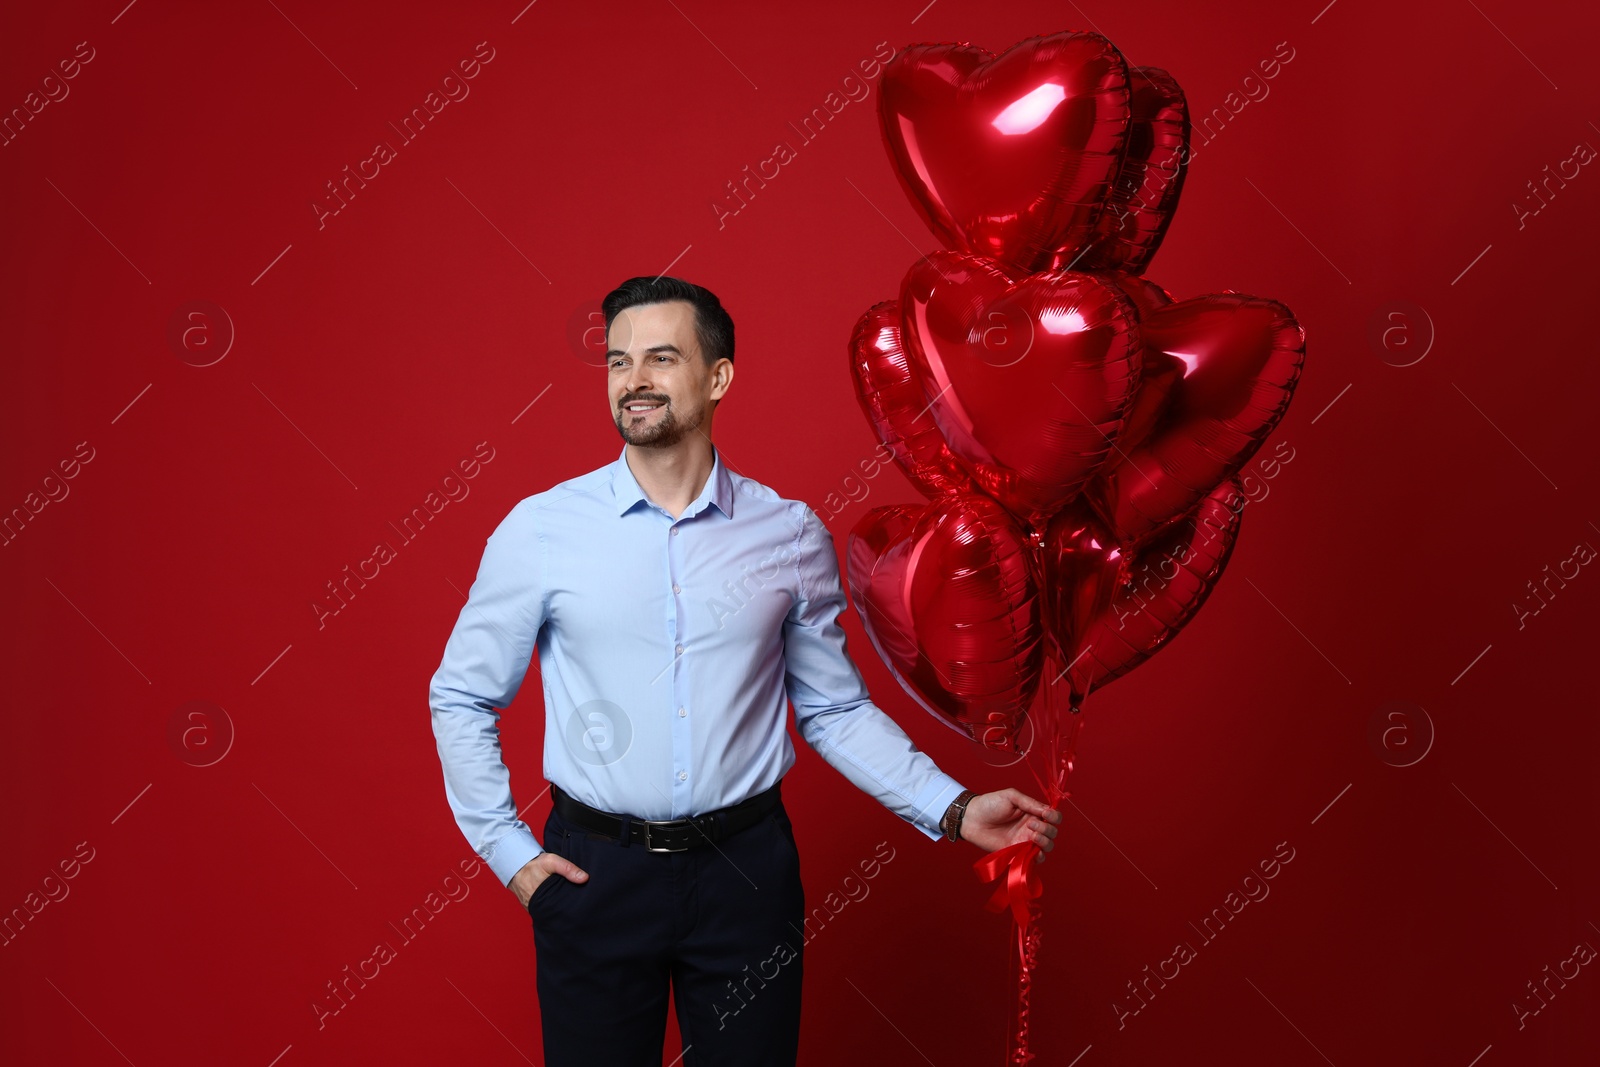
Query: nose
{"points": [[638, 384], [636, 381]]}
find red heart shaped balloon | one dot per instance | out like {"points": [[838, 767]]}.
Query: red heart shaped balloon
{"points": [[1131, 607], [892, 397], [1009, 156], [948, 595], [1237, 359], [1144, 194], [1029, 377]]}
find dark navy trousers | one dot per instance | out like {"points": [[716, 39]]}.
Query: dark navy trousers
{"points": [[723, 923]]}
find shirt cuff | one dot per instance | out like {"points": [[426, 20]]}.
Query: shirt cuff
{"points": [[932, 803], [511, 853]]}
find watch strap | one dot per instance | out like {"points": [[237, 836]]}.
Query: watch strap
{"points": [[951, 823]]}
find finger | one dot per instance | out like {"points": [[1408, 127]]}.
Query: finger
{"points": [[1032, 806], [571, 871]]}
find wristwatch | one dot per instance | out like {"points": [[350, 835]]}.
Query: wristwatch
{"points": [[951, 823]]}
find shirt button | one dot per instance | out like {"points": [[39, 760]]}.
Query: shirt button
{"points": [[680, 650], [682, 712], [683, 776], [674, 531], [675, 588]]}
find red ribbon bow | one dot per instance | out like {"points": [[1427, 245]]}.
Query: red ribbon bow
{"points": [[1022, 882]]}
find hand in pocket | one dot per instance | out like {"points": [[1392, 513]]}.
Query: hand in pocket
{"points": [[536, 871]]}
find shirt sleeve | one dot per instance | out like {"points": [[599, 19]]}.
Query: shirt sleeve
{"points": [[832, 708], [484, 662]]}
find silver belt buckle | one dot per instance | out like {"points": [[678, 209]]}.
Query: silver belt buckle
{"points": [[648, 847]]}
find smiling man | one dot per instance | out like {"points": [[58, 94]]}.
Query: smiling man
{"points": [[668, 859]]}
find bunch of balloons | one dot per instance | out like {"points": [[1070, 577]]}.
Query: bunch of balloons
{"points": [[1076, 430]]}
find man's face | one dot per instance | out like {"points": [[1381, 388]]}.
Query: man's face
{"points": [[658, 383]]}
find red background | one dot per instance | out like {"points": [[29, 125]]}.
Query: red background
{"points": [[373, 354]]}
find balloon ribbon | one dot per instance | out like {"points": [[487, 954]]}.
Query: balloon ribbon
{"points": [[1015, 864]]}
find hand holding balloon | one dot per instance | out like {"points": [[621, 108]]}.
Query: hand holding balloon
{"points": [[1010, 817]]}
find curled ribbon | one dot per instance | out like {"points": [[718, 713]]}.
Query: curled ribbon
{"points": [[1022, 883]]}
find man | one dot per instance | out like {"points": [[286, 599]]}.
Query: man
{"points": [[676, 606]]}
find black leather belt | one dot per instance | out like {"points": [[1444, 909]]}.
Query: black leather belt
{"points": [[674, 835]]}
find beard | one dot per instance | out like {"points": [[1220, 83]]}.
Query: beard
{"points": [[662, 429]]}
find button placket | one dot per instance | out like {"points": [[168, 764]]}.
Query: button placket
{"points": [[680, 741]]}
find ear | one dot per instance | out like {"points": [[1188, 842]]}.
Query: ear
{"points": [[723, 378]]}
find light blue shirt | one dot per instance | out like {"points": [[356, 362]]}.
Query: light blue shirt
{"points": [[668, 650]]}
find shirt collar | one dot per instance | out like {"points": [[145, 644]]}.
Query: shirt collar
{"points": [[628, 492]]}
